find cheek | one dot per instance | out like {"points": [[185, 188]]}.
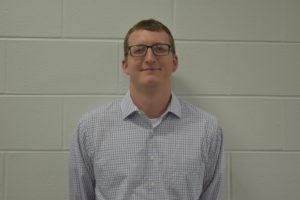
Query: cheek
{"points": [[172, 66], [129, 66]]}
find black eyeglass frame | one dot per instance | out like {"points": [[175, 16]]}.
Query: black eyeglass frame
{"points": [[152, 48]]}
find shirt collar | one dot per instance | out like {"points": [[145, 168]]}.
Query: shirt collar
{"points": [[128, 107], [175, 106]]}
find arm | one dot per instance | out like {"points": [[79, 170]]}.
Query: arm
{"points": [[215, 168], [81, 177]]}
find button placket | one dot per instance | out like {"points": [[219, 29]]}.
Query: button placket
{"points": [[151, 160]]}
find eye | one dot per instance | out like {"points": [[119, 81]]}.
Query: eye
{"points": [[160, 48], [138, 49]]}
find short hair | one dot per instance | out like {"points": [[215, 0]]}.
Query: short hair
{"points": [[149, 25]]}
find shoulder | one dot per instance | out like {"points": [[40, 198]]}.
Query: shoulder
{"points": [[198, 117], [206, 124], [100, 114], [192, 111]]}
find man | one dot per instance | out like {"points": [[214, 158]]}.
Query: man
{"points": [[149, 144]]}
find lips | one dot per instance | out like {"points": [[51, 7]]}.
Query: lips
{"points": [[151, 69]]}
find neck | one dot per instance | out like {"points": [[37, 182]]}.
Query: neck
{"points": [[152, 101]]}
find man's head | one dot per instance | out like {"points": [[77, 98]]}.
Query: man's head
{"points": [[150, 57], [149, 25]]}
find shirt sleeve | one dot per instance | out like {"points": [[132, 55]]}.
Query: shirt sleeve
{"points": [[81, 176], [215, 168]]}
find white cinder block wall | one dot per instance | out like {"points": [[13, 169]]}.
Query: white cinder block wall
{"points": [[238, 59]]}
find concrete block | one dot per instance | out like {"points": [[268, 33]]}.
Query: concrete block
{"points": [[291, 22], [229, 20], [30, 18], [112, 19], [267, 175], [36, 175], [265, 69], [30, 123], [62, 67], [291, 70], [248, 123], [204, 68], [226, 184], [292, 125], [2, 66], [123, 78], [75, 107], [1, 176]]}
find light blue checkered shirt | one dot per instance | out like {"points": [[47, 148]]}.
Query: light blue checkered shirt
{"points": [[117, 154]]}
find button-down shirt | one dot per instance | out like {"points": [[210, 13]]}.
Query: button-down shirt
{"points": [[117, 154]]}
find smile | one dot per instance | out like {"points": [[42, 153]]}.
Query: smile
{"points": [[151, 69]]}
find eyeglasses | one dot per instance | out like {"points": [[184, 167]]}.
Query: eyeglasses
{"points": [[140, 50]]}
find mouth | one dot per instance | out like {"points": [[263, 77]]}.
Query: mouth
{"points": [[151, 69]]}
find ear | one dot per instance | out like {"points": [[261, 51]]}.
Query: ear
{"points": [[125, 66], [175, 63]]}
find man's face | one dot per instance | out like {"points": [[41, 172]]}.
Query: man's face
{"points": [[149, 70]]}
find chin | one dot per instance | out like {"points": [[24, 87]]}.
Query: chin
{"points": [[152, 82]]}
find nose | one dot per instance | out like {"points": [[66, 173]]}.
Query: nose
{"points": [[150, 57]]}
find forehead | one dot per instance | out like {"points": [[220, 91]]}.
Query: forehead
{"points": [[148, 37]]}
